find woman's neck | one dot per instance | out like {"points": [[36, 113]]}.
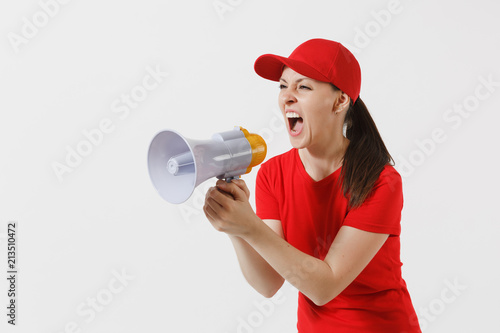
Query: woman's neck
{"points": [[320, 162]]}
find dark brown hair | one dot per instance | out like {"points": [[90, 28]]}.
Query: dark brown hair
{"points": [[365, 157]]}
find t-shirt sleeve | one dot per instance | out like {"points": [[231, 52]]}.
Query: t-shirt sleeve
{"points": [[381, 210], [266, 202]]}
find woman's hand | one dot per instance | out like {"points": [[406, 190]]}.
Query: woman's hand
{"points": [[228, 209]]}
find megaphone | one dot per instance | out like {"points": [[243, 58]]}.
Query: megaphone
{"points": [[177, 164]]}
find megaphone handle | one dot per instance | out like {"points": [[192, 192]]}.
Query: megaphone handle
{"points": [[228, 179]]}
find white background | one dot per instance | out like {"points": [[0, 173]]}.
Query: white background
{"points": [[419, 63]]}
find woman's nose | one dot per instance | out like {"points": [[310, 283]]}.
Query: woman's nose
{"points": [[288, 97]]}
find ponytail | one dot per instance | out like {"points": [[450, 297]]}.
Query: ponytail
{"points": [[365, 157]]}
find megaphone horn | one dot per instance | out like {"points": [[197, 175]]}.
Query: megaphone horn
{"points": [[177, 164]]}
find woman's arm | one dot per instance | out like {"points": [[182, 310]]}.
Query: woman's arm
{"points": [[256, 270], [320, 281]]}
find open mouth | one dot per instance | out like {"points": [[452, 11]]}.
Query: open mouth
{"points": [[295, 123]]}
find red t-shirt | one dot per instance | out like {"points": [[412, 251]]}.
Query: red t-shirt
{"points": [[311, 214]]}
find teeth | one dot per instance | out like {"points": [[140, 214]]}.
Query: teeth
{"points": [[292, 115]]}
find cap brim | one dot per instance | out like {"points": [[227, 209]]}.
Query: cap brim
{"points": [[270, 66]]}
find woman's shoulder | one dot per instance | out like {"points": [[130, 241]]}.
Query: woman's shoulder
{"points": [[277, 166], [285, 158], [389, 176], [389, 171]]}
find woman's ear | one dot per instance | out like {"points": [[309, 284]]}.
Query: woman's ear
{"points": [[342, 102]]}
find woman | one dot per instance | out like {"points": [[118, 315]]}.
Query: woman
{"points": [[329, 210]]}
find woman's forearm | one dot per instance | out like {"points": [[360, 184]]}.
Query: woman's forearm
{"points": [[312, 276], [266, 258], [258, 273]]}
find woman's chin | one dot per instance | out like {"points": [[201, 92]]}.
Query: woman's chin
{"points": [[297, 142]]}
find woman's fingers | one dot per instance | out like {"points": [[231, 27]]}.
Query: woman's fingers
{"points": [[219, 196], [211, 205], [227, 208], [241, 184], [209, 213], [214, 207], [235, 189]]}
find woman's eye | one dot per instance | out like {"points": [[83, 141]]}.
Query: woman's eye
{"points": [[282, 86], [304, 87]]}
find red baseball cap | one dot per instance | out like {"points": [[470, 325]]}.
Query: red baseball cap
{"points": [[319, 59]]}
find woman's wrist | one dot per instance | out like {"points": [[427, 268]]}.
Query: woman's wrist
{"points": [[256, 230]]}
